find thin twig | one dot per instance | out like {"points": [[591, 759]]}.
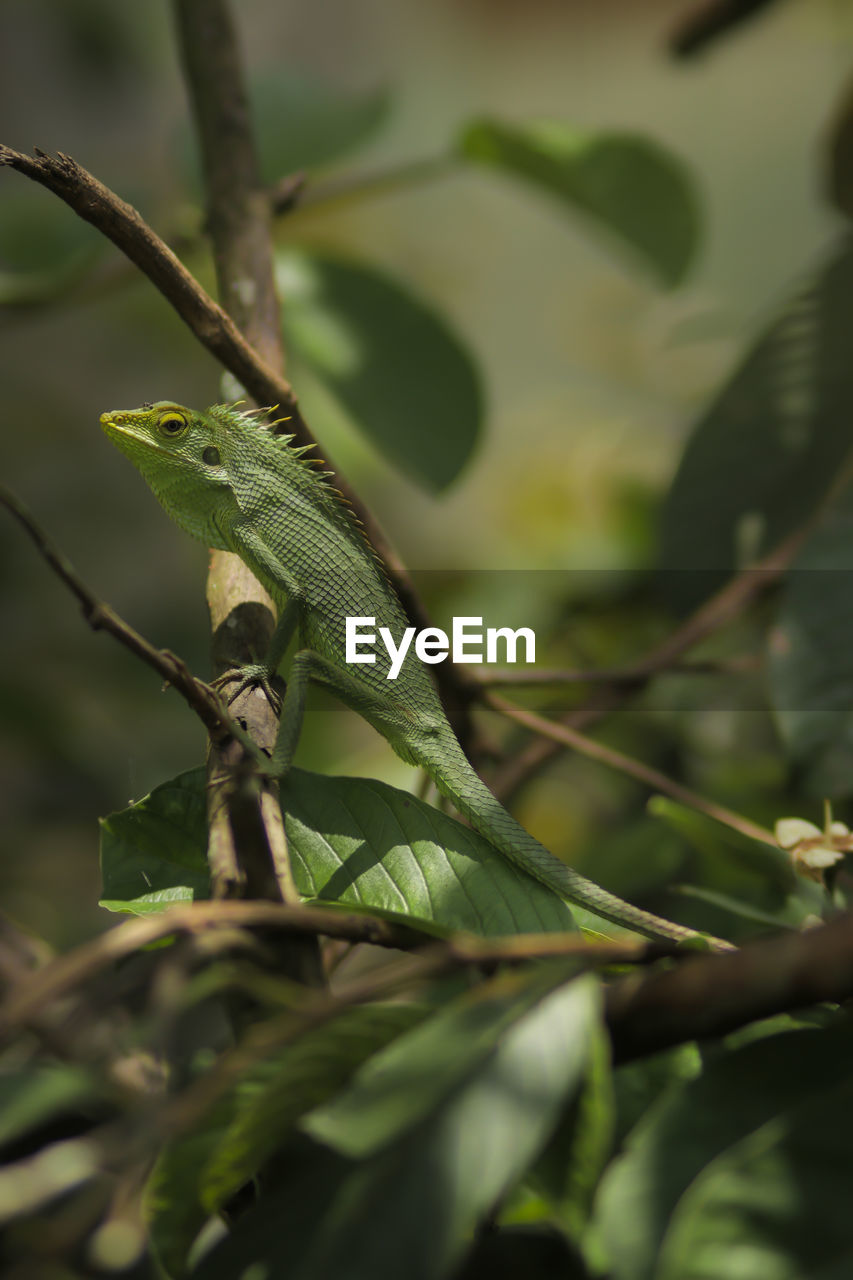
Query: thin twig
{"points": [[493, 677], [203, 700], [35, 989], [565, 736], [65, 973], [362, 186], [715, 613]]}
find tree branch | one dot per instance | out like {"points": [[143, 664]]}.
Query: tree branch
{"points": [[203, 700], [565, 736], [711, 995], [715, 613]]}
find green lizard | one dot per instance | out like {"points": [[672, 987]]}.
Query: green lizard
{"points": [[235, 485]]}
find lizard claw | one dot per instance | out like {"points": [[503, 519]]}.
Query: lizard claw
{"points": [[252, 676]]}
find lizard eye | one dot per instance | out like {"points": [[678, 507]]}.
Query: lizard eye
{"points": [[172, 424]]}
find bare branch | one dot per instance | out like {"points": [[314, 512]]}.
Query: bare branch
{"points": [[566, 736], [715, 613], [709, 996], [203, 700]]}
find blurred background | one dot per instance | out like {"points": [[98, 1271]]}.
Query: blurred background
{"points": [[590, 369]]}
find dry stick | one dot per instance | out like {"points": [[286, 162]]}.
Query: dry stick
{"points": [[703, 996], [203, 700], [568, 737], [35, 990], [725, 605], [64, 974]]}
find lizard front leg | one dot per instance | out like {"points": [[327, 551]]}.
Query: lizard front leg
{"points": [[310, 665], [263, 673]]}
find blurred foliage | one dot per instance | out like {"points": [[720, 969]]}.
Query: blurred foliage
{"points": [[509, 356], [629, 186], [369, 341]]}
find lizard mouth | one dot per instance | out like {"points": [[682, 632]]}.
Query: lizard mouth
{"points": [[122, 427]]}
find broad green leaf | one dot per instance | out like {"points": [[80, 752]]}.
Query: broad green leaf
{"points": [[298, 1080], [283, 1223], [398, 1088], [569, 1168], [352, 840], [429, 1185], [469, 1151], [355, 840], [778, 1201], [696, 1124], [771, 444], [393, 363], [153, 852], [631, 188], [197, 1174], [637, 1085], [810, 659], [172, 1202]]}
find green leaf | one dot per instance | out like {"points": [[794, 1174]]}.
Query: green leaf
{"points": [[355, 840], [153, 852], [569, 1168], [198, 1173], [778, 1201], [294, 1082], [637, 1085], [430, 1183], [631, 187], [810, 658], [693, 1127], [771, 444], [352, 840], [470, 1149], [397, 1089], [302, 123], [33, 1095], [394, 364]]}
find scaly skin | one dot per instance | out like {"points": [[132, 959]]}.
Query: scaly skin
{"points": [[232, 483]]}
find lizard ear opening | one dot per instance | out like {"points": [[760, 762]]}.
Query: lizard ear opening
{"points": [[210, 455]]}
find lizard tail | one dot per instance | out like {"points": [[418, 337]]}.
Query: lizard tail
{"points": [[448, 766]]}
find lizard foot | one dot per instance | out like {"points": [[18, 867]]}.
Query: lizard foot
{"points": [[253, 676]]}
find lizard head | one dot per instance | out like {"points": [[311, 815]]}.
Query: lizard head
{"points": [[179, 453]]}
